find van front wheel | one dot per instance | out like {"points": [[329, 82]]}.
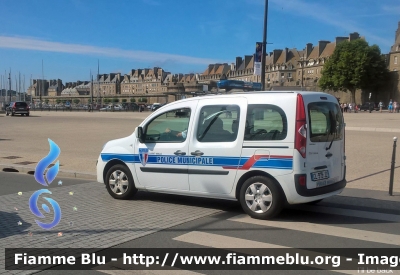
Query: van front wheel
{"points": [[261, 198], [119, 182]]}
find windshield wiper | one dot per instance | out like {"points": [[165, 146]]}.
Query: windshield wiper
{"points": [[331, 131]]}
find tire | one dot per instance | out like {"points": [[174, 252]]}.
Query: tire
{"points": [[261, 206], [125, 187]]}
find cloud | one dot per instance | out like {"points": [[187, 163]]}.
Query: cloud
{"points": [[143, 56], [324, 15], [391, 9]]}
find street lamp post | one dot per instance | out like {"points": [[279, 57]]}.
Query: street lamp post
{"points": [[264, 48]]}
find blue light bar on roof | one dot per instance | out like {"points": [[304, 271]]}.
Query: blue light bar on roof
{"points": [[238, 84]]}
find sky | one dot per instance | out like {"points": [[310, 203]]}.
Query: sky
{"points": [[67, 39]]}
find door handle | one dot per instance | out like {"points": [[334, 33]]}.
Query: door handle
{"points": [[179, 153], [197, 153]]}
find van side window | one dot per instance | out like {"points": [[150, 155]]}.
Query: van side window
{"points": [[265, 122], [170, 126], [218, 123], [326, 121]]}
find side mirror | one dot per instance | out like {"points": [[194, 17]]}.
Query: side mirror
{"points": [[140, 134]]}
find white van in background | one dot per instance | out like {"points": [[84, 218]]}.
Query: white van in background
{"points": [[264, 149]]}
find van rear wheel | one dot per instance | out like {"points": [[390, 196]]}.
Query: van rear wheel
{"points": [[261, 198]]}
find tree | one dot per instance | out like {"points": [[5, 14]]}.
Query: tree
{"points": [[58, 101], [142, 99], [76, 101], [124, 100], [46, 101], [354, 65], [115, 100], [133, 100]]}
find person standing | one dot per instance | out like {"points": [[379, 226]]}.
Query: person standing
{"points": [[345, 107], [390, 107], [380, 106], [350, 107]]}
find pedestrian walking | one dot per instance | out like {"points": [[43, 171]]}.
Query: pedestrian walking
{"points": [[350, 107], [345, 107], [396, 106], [380, 106]]}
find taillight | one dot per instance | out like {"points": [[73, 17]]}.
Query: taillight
{"points": [[302, 180], [300, 139]]}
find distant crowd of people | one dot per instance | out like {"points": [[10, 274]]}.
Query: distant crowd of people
{"points": [[349, 107], [393, 107]]}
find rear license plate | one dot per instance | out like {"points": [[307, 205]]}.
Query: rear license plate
{"points": [[320, 175]]}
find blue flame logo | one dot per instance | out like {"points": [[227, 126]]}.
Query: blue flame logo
{"points": [[45, 162], [46, 179], [35, 210]]}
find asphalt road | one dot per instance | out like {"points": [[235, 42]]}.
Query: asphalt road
{"points": [[12, 183]]}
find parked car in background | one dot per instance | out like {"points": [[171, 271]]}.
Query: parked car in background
{"points": [[369, 106], [17, 107], [155, 106], [110, 108]]}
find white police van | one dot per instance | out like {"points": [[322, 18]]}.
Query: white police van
{"points": [[264, 149]]}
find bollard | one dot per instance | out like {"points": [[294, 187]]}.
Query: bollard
{"points": [[392, 167]]}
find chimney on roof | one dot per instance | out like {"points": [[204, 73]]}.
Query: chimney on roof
{"points": [[321, 46], [276, 54], [339, 39], [286, 52], [354, 36], [247, 59], [239, 61], [309, 48], [397, 34]]}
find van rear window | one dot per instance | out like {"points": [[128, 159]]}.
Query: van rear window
{"points": [[325, 121]]}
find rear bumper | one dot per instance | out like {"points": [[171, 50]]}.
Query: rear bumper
{"points": [[303, 191]]}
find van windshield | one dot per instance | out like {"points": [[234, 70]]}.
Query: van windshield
{"points": [[325, 121]]}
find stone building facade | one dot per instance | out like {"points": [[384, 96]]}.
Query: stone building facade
{"points": [[285, 69]]}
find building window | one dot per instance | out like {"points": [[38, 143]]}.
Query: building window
{"points": [[395, 60], [282, 75]]}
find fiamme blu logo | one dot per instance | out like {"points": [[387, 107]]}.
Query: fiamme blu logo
{"points": [[45, 178]]}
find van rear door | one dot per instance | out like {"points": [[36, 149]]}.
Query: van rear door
{"points": [[325, 142]]}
